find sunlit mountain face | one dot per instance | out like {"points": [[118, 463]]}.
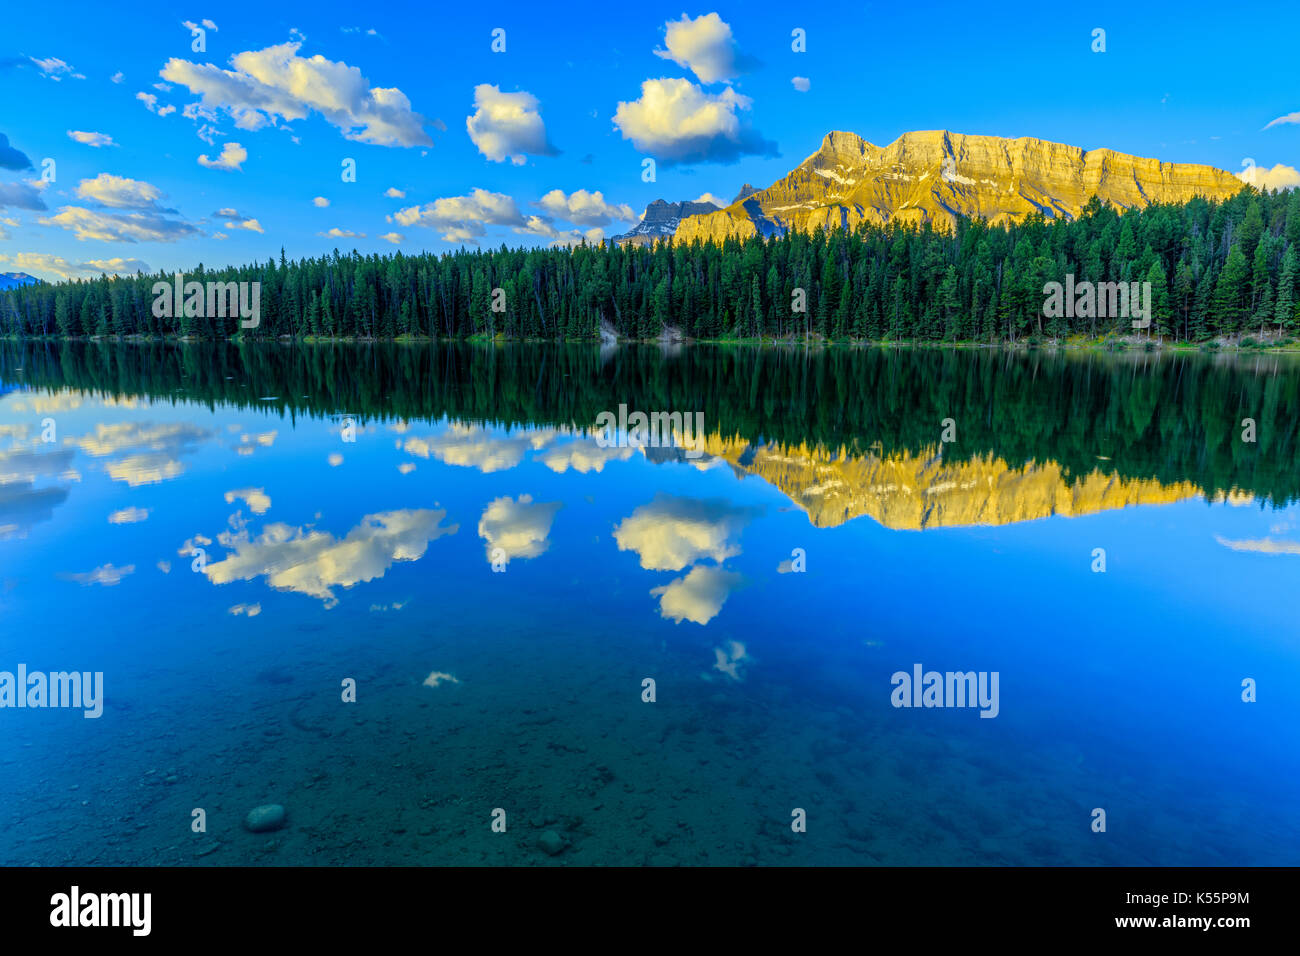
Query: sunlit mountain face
{"points": [[230, 533]]}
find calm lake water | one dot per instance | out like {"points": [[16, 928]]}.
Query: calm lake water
{"points": [[232, 534]]}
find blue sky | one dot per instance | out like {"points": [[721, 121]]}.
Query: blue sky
{"points": [[478, 142]]}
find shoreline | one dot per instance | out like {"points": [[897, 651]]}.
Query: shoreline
{"points": [[1077, 345]]}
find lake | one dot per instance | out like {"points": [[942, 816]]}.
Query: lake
{"points": [[419, 597]]}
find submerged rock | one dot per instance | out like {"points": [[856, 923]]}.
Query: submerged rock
{"points": [[551, 842], [263, 819]]}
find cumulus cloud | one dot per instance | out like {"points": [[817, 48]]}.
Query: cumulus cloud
{"points": [[135, 215], [392, 192], [236, 221], [1279, 177], [472, 446], [275, 84], [150, 102], [115, 227], [672, 532], [22, 503], [96, 140], [585, 208], [46, 266], [704, 46], [119, 192], [257, 499], [118, 77], [231, 158], [337, 233], [517, 528], [507, 125], [697, 597], [11, 158], [21, 196], [128, 516], [801, 83], [314, 562], [149, 453], [677, 122], [394, 237], [463, 218], [582, 455], [320, 202]]}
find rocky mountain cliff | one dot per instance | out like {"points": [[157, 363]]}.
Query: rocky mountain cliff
{"points": [[904, 491], [934, 176], [661, 220]]}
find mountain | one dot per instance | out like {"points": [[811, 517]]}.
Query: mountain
{"points": [[9, 280], [907, 491], [661, 220], [934, 176]]}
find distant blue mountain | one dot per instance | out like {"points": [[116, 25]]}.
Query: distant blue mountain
{"points": [[9, 280]]}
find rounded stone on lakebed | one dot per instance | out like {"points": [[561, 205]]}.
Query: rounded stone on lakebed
{"points": [[551, 843], [263, 819]]}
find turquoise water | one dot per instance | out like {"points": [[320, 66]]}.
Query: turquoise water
{"points": [[326, 560]]}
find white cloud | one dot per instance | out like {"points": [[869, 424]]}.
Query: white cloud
{"points": [[463, 218], [582, 455], [128, 516], [114, 227], [320, 202], [275, 84], [585, 208], [671, 532], [257, 499], [472, 446], [1282, 120], [315, 562], [55, 69], [698, 596], [703, 45], [392, 192], [1260, 545], [519, 528], [507, 125], [337, 233], [45, 266], [119, 192], [1279, 177], [710, 198], [96, 140], [118, 77], [151, 104], [677, 121], [106, 574], [235, 220], [801, 83], [231, 158], [394, 237]]}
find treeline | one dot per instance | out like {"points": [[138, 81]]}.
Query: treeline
{"points": [[1174, 418], [1217, 269]]}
